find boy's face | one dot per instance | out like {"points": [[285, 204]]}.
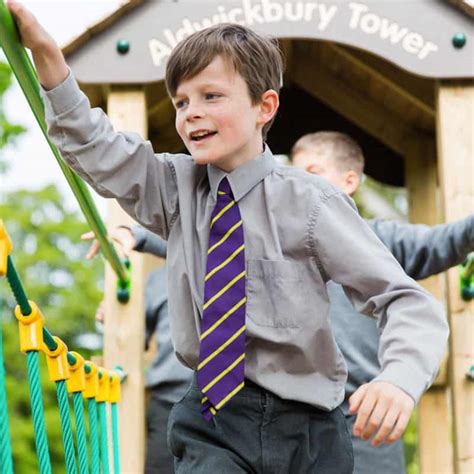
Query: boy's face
{"points": [[215, 117], [317, 162]]}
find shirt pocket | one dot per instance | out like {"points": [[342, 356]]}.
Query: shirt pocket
{"points": [[282, 294]]}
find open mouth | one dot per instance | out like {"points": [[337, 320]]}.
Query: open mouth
{"points": [[201, 135]]}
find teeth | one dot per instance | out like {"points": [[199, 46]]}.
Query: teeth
{"points": [[199, 134]]}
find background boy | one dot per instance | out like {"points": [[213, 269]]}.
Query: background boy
{"points": [[299, 233]]}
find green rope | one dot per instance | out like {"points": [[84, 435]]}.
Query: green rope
{"points": [[5, 442], [26, 75], [104, 443], [65, 416], [80, 432], [37, 411], [17, 288], [93, 435], [115, 439]]}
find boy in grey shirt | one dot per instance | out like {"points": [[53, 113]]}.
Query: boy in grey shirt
{"points": [[300, 232], [422, 251]]}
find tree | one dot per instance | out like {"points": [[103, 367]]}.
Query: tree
{"points": [[8, 131]]}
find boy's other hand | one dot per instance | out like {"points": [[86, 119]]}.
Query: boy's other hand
{"points": [[33, 35], [121, 235], [380, 406]]}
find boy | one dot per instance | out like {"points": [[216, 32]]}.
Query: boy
{"points": [[237, 305], [421, 251]]}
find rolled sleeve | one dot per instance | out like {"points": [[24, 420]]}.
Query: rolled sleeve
{"points": [[413, 324]]}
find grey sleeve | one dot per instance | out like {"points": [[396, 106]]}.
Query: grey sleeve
{"points": [[413, 323], [422, 250], [119, 165], [148, 242]]}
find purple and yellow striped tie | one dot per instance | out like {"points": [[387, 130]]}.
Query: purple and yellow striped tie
{"points": [[221, 361]]}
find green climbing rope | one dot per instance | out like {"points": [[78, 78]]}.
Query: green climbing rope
{"points": [[5, 442], [37, 411], [65, 416], [115, 438], [80, 432], [104, 443], [93, 435], [28, 80], [17, 288]]}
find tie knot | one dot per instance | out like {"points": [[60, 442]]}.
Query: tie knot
{"points": [[224, 188]]}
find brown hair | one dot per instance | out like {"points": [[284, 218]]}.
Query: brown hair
{"points": [[337, 146], [256, 58]]}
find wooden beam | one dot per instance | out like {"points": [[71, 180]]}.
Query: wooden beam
{"points": [[434, 434], [466, 5], [418, 92], [125, 323], [455, 124], [375, 119]]}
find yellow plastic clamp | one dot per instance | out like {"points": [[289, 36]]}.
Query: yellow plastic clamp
{"points": [[114, 395], [5, 249], [77, 379], [30, 328], [92, 381], [104, 387], [58, 368]]}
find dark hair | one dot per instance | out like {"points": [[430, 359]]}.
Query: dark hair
{"points": [[256, 58], [337, 146]]}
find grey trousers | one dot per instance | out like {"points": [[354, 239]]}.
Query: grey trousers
{"points": [[386, 458], [258, 432], [158, 459]]}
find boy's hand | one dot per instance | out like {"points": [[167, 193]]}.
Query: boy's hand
{"points": [[121, 235], [382, 406], [48, 58], [33, 35]]}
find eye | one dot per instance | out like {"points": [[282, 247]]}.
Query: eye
{"points": [[179, 104], [212, 96]]}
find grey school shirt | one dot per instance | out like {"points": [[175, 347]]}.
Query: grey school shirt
{"points": [[421, 250], [300, 232], [166, 376]]}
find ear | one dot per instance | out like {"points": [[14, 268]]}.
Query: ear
{"points": [[268, 107], [351, 182]]}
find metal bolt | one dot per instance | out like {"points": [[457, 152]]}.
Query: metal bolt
{"points": [[123, 46], [459, 40]]}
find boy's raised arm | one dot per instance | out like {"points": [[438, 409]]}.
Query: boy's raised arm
{"points": [[119, 165]]}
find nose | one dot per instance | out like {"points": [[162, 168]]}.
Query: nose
{"points": [[193, 111]]}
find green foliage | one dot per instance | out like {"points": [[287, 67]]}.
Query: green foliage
{"points": [[49, 258], [410, 444], [8, 131]]}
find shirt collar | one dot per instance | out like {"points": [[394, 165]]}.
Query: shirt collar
{"points": [[244, 177]]}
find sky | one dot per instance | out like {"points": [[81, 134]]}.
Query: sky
{"points": [[32, 164]]}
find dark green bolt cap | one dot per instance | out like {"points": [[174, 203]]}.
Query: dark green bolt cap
{"points": [[123, 46], [459, 40]]}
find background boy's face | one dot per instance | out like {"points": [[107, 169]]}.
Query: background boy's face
{"points": [[215, 117], [317, 162]]}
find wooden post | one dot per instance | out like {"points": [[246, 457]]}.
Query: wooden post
{"points": [[434, 434], [455, 133], [125, 323]]}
